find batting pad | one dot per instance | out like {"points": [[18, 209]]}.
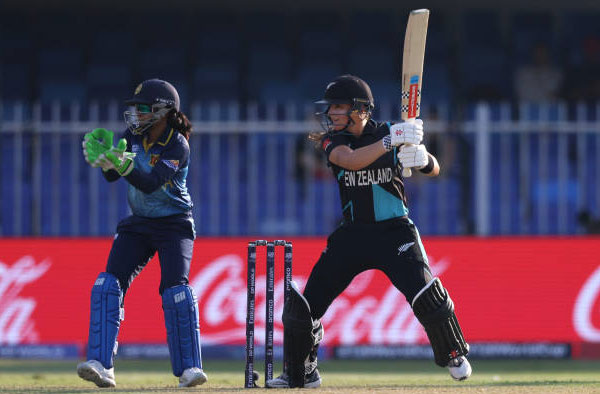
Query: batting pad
{"points": [[183, 331], [435, 310], [300, 335], [105, 319]]}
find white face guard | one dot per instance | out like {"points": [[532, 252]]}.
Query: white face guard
{"points": [[140, 117]]}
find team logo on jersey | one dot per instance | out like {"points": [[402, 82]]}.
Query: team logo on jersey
{"points": [[174, 164], [138, 89], [326, 143], [403, 248], [154, 159]]}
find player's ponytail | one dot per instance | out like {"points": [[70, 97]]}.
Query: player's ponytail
{"points": [[316, 137], [180, 122]]}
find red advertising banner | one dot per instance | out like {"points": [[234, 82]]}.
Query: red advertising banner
{"points": [[504, 290]]}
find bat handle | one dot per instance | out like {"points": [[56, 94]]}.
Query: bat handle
{"points": [[406, 171]]}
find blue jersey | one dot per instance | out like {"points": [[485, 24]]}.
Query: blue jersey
{"points": [[157, 185]]}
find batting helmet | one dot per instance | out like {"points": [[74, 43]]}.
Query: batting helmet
{"points": [[349, 89], [345, 89]]}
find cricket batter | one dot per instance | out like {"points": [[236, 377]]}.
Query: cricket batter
{"points": [[153, 157], [367, 158]]}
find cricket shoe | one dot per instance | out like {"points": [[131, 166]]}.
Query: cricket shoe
{"points": [[311, 381], [192, 377], [94, 371], [460, 368]]}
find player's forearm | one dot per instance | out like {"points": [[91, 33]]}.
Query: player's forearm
{"points": [[146, 182], [355, 159], [432, 168]]}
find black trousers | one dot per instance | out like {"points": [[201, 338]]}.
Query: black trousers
{"points": [[139, 239], [392, 246]]}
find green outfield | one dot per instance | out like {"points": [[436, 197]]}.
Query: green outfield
{"points": [[19, 376]]}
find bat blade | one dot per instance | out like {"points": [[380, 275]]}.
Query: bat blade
{"points": [[413, 57]]}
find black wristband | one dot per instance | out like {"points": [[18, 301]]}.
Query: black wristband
{"points": [[429, 167]]}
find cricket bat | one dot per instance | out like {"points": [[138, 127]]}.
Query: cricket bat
{"points": [[412, 67]]}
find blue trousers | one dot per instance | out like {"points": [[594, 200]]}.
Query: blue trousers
{"points": [[138, 239]]}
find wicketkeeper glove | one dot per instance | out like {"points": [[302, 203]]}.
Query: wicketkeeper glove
{"points": [[117, 159], [96, 143]]}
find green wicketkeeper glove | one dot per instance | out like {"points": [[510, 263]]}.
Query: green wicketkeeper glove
{"points": [[96, 143], [117, 159]]}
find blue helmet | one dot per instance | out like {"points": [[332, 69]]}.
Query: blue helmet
{"points": [[153, 96]]}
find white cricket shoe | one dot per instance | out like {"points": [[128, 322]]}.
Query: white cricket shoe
{"points": [[94, 371], [460, 368], [192, 377], [311, 381]]}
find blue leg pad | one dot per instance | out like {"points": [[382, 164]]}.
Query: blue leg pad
{"points": [[183, 330], [105, 319]]}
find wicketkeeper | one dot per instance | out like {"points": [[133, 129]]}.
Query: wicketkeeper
{"points": [[153, 157]]}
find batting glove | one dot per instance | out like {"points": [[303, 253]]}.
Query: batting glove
{"points": [[413, 156], [409, 132]]}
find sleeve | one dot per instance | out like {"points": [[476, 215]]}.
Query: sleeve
{"points": [[112, 175], [171, 160], [329, 142]]}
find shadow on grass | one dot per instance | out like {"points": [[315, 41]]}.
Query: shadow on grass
{"points": [[539, 383], [47, 366], [170, 389]]}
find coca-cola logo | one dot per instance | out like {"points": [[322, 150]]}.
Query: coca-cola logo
{"points": [[583, 312], [359, 314], [16, 323]]}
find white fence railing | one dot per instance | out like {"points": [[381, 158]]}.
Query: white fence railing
{"points": [[254, 172]]}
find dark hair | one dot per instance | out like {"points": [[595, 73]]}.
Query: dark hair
{"points": [[315, 137], [180, 122]]}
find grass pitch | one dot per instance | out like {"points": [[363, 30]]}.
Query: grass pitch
{"points": [[564, 376]]}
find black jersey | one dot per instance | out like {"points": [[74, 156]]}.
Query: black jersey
{"points": [[373, 193]]}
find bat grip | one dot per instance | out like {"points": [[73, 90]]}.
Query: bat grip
{"points": [[406, 171]]}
